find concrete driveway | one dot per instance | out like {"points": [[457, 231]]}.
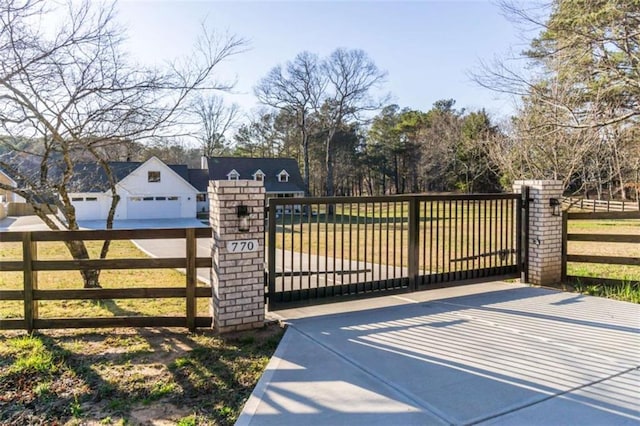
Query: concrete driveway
{"points": [[144, 223], [494, 353]]}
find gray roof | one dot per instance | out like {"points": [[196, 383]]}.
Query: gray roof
{"points": [[25, 173], [199, 179], [90, 177], [220, 167]]}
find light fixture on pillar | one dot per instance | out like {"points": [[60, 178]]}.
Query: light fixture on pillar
{"points": [[243, 215], [554, 203]]}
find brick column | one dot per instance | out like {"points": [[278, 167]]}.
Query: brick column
{"points": [[545, 231], [237, 278]]}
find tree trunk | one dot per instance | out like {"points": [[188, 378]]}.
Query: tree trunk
{"points": [[79, 251], [305, 155], [329, 189]]}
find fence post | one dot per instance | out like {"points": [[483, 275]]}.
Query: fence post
{"points": [[191, 278], [30, 280], [544, 243], [414, 247], [237, 277]]}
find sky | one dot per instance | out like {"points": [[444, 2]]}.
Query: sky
{"points": [[428, 48]]}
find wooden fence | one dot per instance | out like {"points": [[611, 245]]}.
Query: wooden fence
{"points": [[600, 205], [30, 265], [600, 238]]}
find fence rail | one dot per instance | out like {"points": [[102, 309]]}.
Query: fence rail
{"points": [[601, 238], [601, 205], [31, 295]]}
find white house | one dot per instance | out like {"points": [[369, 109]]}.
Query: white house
{"points": [[148, 190]]}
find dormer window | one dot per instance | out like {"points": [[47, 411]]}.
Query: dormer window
{"points": [[283, 176], [258, 175], [233, 175]]}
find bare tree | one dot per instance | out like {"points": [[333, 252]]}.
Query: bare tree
{"points": [[351, 76], [71, 91], [297, 89], [215, 119], [582, 80]]}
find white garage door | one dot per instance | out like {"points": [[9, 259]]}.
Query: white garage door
{"points": [[87, 208], [153, 207]]}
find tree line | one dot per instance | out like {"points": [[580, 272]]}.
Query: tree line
{"points": [[71, 94], [577, 120]]}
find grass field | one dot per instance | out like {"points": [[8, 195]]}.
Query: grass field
{"points": [[108, 279], [450, 233], [124, 376]]}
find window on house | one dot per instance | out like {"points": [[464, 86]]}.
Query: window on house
{"points": [[201, 197], [233, 175], [259, 176], [161, 198], [172, 198], [91, 199], [148, 198], [283, 176], [77, 199], [153, 176]]}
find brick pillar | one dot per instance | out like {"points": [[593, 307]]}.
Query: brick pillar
{"points": [[237, 277], [545, 231]]}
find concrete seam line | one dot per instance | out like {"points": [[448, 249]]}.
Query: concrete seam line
{"points": [[432, 410], [547, 398], [252, 404]]}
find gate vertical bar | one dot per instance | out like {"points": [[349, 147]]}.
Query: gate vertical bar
{"points": [[271, 257], [414, 247], [524, 230], [565, 224]]}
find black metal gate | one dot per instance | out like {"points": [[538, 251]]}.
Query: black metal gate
{"points": [[335, 247]]}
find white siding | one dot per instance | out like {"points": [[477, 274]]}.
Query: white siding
{"points": [[90, 205], [171, 185]]}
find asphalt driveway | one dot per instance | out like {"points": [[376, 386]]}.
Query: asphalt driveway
{"points": [[492, 353]]}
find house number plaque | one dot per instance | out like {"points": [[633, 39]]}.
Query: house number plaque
{"points": [[242, 246]]}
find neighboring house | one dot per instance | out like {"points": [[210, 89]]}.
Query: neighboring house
{"points": [[148, 190], [6, 196]]}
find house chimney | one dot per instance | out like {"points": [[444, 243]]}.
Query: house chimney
{"points": [[204, 164]]}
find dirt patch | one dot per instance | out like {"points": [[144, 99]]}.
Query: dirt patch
{"points": [[150, 376]]}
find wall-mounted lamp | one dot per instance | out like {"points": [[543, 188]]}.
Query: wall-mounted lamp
{"points": [[554, 203], [243, 214]]}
